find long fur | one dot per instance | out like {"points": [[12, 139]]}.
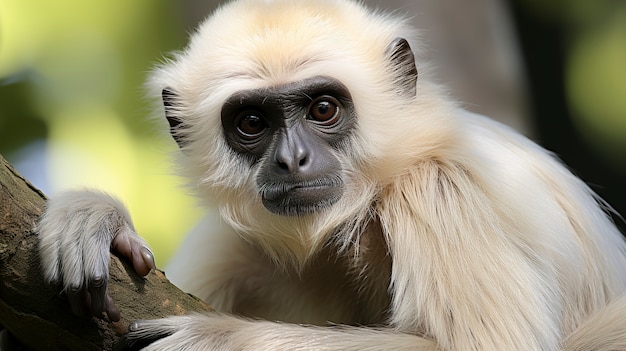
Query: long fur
{"points": [[454, 232]]}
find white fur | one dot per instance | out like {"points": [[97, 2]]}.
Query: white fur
{"points": [[76, 231], [454, 232]]}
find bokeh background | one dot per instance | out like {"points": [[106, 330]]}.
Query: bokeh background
{"points": [[73, 113]]}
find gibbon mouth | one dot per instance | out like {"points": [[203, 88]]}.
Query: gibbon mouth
{"points": [[298, 199]]}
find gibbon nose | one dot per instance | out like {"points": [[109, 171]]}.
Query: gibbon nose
{"points": [[291, 160], [292, 154]]}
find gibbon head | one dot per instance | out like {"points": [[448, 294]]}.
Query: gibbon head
{"points": [[286, 112]]}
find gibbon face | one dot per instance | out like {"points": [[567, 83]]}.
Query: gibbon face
{"points": [[293, 132]]}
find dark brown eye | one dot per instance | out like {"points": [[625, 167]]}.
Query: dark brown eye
{"points": [[251, 125], [325, 110]]}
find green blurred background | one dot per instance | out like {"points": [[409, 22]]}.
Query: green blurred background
{"points": [[73, 112], [72, 108]]}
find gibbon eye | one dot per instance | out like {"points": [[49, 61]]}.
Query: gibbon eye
{"points": [[251, 125], [325, 110]]}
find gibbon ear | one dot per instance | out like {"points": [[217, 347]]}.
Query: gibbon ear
{"points": [[170, 104], [403, 66]]}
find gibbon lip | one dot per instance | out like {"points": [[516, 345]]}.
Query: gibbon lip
{"points": [[273, 193], [300, 198]]}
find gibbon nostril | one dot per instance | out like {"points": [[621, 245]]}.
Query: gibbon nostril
{"points": [[303, 161]]}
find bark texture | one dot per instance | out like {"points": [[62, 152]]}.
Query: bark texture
{"points": [[36, 314]]}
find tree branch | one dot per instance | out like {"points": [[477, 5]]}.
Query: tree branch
{"points": [[36, 314]]}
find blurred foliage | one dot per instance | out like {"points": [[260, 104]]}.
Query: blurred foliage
{"points": [[71, 73], [595, 70], [596, 84]]}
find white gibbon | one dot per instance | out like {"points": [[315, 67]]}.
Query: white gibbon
{"points": [[360, 208]]}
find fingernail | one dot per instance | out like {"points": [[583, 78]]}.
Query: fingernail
{"points": [[148, 257]]}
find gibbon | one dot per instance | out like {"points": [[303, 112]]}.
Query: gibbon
{"points": [[357, 207]]}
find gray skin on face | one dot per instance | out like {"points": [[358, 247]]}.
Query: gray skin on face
{"points": [[293, 131]]}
